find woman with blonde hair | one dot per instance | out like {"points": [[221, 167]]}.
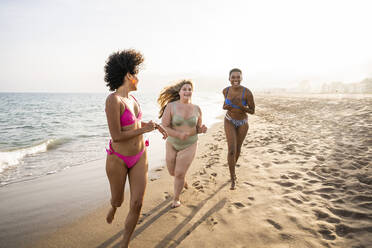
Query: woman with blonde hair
{"points": [[183, 122]]}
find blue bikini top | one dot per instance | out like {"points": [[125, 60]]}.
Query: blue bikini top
{"points": [[228, 102]]}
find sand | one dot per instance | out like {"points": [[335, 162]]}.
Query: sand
{"points": [[304, 180]]}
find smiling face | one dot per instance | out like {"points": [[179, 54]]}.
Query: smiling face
{"points": [[185, 92], [235, 78]]}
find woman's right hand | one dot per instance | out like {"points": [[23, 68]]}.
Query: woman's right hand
{"points": [[227, 107], [149, 126]]}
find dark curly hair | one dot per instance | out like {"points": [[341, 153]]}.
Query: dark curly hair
{"points": [[119, 64]]}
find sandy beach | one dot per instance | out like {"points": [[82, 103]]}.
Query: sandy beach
{"points": [[304, 180]]}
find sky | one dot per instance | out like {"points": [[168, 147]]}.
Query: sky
{"points": [[62, 46]]}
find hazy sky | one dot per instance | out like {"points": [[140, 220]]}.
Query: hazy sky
{"points": [[62, 45]]}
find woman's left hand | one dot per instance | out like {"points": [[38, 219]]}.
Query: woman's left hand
{"points": [[162, 130], [202, 129]]}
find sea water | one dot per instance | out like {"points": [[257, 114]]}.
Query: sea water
{"points": [[44, 133]]}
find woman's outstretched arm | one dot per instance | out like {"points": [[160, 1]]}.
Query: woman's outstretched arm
{"points": [[159, 127]]}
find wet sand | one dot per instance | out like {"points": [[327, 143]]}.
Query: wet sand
{"points": [[34, 208], [304, 180]]}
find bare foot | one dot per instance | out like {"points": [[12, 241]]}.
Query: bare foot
{"points": [[186, 186], [232, 185], [110, 215], [176, 204]]}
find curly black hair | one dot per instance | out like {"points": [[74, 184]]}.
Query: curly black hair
{"points": [[119, 64]]}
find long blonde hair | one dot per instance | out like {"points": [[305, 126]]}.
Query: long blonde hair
{"points": [[171, 94]]}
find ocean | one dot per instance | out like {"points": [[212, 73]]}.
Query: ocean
{"points": [[45, 133]]}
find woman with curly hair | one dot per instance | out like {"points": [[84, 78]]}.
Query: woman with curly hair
{"points": [[183, 122], [238, 102], [126, 154]]}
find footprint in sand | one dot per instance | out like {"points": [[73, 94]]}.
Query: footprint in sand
{"points": [[154, 177], [276, 225], [166, 195], [313, 181], [304, 198], [326, 232], [213, 221], [214, 147], [325, 190], [312, 174], [197, 185], [143, 216], [286, 236], [332, 220], [295, 175], [320, 158], [285, 184], [296, 200], [365, 179], [320, 214], [238, 205], [361, 198], [325, 196], [266, 165], [356, 215], [248, 184], [191, 206], [344, 230]]}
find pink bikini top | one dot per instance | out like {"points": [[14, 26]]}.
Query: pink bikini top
{"points": [[127, 118]]}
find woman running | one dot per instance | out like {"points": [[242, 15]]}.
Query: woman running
{"points": [[238, 102], [183, 122], [126, 154]]}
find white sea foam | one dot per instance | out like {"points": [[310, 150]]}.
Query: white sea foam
{"points": [[14, 157]]}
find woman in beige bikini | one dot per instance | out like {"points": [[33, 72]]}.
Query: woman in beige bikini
{"points": [[183, 122]]}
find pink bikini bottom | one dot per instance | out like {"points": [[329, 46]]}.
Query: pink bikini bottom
{"points": [[129, 161]]}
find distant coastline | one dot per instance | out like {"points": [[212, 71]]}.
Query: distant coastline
{"points": [[362, 87]]}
